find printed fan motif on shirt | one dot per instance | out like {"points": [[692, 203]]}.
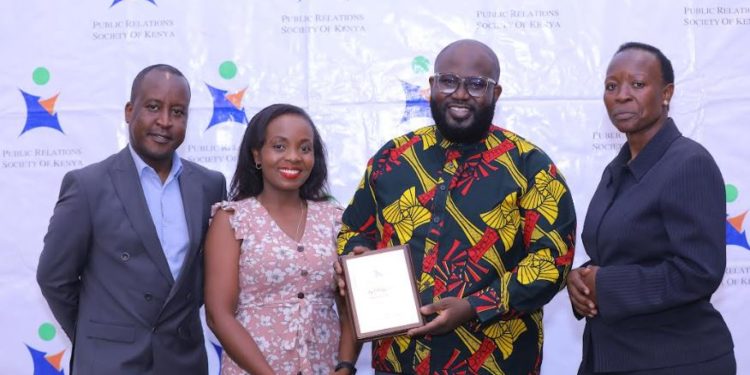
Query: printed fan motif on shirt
{"points": [[504, 218], [406, 214], [545, 195], [537, 266]]}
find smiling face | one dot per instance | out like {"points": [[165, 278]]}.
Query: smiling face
{"points": [[635, 94], [459, 116], [287, 154], [157, 117]]}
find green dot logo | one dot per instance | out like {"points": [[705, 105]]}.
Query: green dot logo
{"points": [[40, 76], [47, 331], [732, 193], [420, 64], [228, 69]]}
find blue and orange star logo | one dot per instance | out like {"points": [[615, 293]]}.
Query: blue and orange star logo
{"points": [[735, 234], [47, 364], [40, 112], [227, 106]]}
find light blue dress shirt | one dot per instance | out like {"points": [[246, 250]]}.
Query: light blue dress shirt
{"points": [[166, 208]]}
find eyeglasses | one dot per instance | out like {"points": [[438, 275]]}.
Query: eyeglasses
{"points": [[476, 86]]}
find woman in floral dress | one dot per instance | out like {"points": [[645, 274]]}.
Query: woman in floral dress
{"points": [[270, 249]]}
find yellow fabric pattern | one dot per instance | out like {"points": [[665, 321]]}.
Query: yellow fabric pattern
{"points": [[345, 235], [429, 138], [523, 145], [545, 196], [537, 266], [505, 218], [406, 214], [505, 334]]}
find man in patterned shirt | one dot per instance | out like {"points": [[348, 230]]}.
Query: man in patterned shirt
{"points": [[489, 221]]}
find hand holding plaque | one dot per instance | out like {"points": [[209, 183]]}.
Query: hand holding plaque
{"points": [[381, 293]]}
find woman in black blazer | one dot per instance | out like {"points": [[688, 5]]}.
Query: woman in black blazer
{"points": [[654, 232]]}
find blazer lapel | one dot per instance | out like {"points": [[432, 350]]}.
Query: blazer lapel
{"points": [[194, 205], [128, 187], [602, 200], [599, 204]]}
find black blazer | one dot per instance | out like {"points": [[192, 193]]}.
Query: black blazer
{"points": [[656, 227]]}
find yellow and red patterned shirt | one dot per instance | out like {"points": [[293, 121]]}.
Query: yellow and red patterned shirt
{"points": [[492, 222]]}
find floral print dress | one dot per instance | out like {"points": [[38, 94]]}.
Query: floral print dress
{"points": [[286, 299]]}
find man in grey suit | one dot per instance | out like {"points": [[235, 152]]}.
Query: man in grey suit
{"points": [[122, 264]]}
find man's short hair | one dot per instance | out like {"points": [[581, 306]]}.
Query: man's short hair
{"points": [[159, 67]]}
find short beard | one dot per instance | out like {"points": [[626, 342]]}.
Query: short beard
{"points": [[476, 130]]}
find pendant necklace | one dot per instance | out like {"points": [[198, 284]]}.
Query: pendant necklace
{"points": [[297, 234]]}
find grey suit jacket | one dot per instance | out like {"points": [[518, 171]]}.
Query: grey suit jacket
{"points": [[107, 281]]}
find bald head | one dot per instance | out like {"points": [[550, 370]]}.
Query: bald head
{"points": [[472, 52]]}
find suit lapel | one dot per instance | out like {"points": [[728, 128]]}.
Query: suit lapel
{"points": [[128, 187], [193, 204], [602, 198]]}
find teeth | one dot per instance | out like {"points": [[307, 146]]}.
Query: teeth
{"points": [[289, 171], [624, 116], [160, 138], [459, 111]]}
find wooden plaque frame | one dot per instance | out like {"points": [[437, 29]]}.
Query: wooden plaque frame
{"points": [[373, 293]]}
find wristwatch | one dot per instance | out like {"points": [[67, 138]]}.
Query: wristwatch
{"points": [[347, 365]]}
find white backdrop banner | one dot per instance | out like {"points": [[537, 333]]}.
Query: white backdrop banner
{"points": [[361, 70]]}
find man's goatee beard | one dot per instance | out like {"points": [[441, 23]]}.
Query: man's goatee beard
{"points": [[476, 130]]}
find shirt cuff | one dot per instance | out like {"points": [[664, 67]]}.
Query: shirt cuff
{"points": [[485, 304]]}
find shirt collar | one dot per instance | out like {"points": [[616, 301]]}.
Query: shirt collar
{"points": [[141, 165], [651, 153], [463, 147]]}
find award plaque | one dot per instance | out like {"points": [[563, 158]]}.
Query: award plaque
{"points": [[381, 293]]}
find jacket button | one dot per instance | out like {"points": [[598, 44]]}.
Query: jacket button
{"points": [[124, 256], [153, 329], [189, 296], [300, 295], [300, 248], [148, 297], [303, 273]]}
